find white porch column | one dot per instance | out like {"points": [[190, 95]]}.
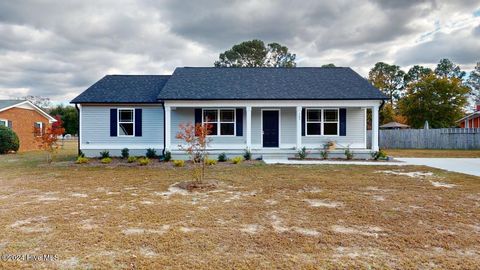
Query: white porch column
{"points": [[375, 128], [168, 110], [299, 127], [248, 126]]}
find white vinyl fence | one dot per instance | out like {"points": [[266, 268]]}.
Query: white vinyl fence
{"points": [[442, 138]]}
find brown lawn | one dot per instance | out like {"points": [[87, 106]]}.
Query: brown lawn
{"points": [[434, 153], [303, 217]]}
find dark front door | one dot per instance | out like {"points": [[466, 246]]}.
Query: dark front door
{"points": [[270, 128]]}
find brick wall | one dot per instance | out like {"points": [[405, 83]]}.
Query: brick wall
{"points": [[22, 123]]}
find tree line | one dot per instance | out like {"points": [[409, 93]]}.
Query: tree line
{"points": [[439, 96]]}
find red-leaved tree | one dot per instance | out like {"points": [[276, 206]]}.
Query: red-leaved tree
{"points": [[195, 145], [48, 139]]}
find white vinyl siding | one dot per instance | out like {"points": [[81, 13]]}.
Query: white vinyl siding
{"points": [[355, 136], [95, 132]]}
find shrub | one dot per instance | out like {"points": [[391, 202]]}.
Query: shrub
{"points": [[82, 160], [8, 140], [348, 153], [379, 155], [151, 153], [210, 162], [106, 160], [179, 163], [324, 153], [222, 157], [237, 160], [143, 161], [167, 157], [302, 153], [104, 154], [125, 153], [247, 155], [131, 159]]}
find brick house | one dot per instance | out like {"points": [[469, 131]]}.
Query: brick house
{"points": [[472, 120], [22, 116]]}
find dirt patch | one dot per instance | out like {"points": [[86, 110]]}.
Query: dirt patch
{"points": [[441, 184], [360, 230], [206, 185], [133, 231], [32, 225], [79, 195], [279, 227], [323, 203], [148, 252], [409, 174], [251, 228], [88, 224]]}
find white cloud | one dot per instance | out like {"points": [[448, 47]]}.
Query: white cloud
{"points": [[58, 49]]}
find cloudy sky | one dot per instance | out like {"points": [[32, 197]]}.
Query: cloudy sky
{"points": [[59, 48]]}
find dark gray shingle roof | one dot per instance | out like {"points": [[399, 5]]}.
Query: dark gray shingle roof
{"points": [[4, 103], [124, 89], [211, 83]]}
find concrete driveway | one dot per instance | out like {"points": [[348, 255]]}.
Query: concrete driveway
{"points": [[462, 165]]}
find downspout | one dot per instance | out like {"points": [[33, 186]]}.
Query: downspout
{"points": [[78, 135], [164, 133], [379, 108]]}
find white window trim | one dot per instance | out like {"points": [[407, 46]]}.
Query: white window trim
{"points": [[123, 122], [218, 122], [4, 120], [41, 129], [322, 122]]}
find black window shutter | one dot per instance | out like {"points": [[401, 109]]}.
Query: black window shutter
{"points": [[303, 122], [198, 116], [343, 122], [138, 122], [239, 121], [113, 122], [9, 124]]}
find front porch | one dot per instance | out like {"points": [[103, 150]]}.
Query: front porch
{"points": [[277, 128]]}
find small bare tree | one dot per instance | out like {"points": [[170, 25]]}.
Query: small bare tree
{"points": [[195, 145]]}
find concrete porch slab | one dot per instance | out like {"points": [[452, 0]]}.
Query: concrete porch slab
{"points": [[332, 162]]}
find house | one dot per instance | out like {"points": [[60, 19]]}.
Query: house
{"points": [[23, 117], [271, 111], [472, 120], [394, 125]]}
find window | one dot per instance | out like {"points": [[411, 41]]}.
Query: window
{"points": [[38, 127], [126, 123], [330, 122], [4, 122], [321, 122], [222, 121]]}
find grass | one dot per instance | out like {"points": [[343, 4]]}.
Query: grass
{"points": [[434, 153], [261, 216]]}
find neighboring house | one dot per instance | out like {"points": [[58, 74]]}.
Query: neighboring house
{"points": [[472, 120], [394, 125], [23, 117], [271, 111]]}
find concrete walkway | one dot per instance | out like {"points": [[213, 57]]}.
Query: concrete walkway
{"points": [[461, 165]]}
